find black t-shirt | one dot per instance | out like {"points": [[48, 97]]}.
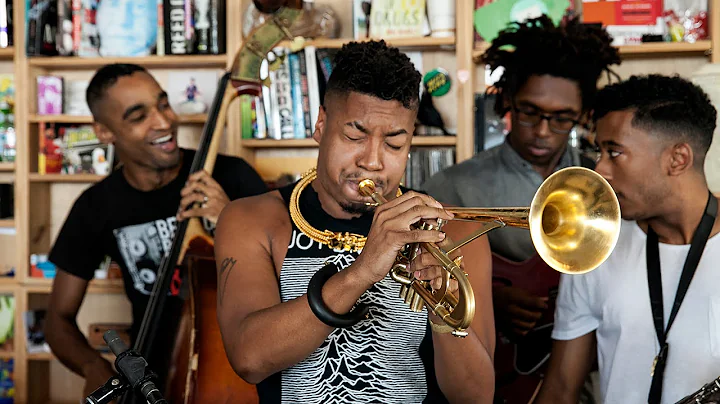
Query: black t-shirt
{"points": [[136, 228]]}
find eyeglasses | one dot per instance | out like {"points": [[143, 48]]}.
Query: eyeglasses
{"points": [[530, 117]]}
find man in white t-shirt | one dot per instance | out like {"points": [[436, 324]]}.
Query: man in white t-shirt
{"points": [[653, 133]]}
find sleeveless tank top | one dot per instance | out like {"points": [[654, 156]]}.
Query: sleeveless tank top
{"points": [[387, 358]]}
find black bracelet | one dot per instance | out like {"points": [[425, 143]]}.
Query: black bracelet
{"points": [[321, 311]]}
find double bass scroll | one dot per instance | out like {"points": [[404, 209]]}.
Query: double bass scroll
{"points": [[191, 362]]}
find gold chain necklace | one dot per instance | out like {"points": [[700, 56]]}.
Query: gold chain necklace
{"points": [[335, 240]]}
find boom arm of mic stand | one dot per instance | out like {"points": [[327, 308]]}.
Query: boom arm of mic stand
{"points": [[113, 388], [134, 375]]}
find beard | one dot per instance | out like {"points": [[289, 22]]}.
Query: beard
{"points": [[356, 208]]}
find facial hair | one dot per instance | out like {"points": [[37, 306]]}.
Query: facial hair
{"points": [[356, 208]]}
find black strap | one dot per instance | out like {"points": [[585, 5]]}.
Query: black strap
{"points": [[700, 237]]}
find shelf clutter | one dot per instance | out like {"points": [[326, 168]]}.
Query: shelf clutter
{"points": [[41, 198]]}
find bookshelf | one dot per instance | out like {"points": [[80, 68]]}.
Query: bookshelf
{"points": [[42, 201]]}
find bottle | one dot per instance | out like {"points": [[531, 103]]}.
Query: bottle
{"points": [[4, 110], [9, 147]]}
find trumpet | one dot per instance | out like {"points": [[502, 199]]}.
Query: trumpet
{"points": [[574, 224]]}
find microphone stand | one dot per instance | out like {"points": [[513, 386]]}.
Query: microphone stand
{"points": [[134, 375]]}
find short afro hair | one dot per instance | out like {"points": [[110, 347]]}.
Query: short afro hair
{"points": [[375, 69], [573, 50], [666, 105], [105, 78]]}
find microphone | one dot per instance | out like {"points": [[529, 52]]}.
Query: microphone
{"points": [[134, 368]]}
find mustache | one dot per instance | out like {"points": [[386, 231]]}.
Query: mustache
{"points": [[357, 177]]}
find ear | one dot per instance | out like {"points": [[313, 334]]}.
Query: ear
{"points": [[320, 125], [681, 159], [103, 133]]}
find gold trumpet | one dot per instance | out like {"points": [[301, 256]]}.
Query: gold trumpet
{"points": [[574, 224]]}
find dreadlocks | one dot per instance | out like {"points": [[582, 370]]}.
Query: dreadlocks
{"points": [[535, 47]]}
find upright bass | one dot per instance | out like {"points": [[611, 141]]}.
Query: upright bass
{"points": [[179, 335]]}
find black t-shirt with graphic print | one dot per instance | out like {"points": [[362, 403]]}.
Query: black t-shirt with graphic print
{"points": [[135, 228]]}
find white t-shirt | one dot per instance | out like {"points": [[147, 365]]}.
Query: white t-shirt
{"points": [[613, 300]]}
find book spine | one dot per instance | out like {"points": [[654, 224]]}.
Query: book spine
{"points": [[174, 25], [284, 100], [160, 44], [305, 94], [296, 94], [313, 85], [203, 26]]}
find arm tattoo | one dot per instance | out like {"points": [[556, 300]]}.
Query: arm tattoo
{"points": [[226, 266]]}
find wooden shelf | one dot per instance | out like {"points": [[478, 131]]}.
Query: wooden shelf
{"points": [[415, 42], [308, 143], [44, 285], [645, 49], [654, 48], [7, 222], [81, 119], [48, 356], [7, 53], [6, 167], [35, 177], [174, 61]]}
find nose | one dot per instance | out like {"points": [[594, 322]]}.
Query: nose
{"points": [[371, 157], [162, 121], [542, 128]]}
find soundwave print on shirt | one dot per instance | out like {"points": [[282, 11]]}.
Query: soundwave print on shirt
{"points": [[143, 246], [377, 360]]}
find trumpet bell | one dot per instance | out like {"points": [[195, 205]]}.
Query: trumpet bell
{"points": [[574, 220]]}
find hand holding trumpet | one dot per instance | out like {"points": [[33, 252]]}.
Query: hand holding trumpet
{"points": [[392, 229]]}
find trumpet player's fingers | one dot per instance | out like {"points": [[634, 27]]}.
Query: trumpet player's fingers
{"points": [[413, 202], [434, 274]]}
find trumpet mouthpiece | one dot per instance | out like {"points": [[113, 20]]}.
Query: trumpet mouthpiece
{"points": [[367, 187]]}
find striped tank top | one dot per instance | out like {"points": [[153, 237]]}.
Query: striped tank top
{"points": [[387, 358]]}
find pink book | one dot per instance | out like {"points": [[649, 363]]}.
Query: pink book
{"points": [[50, 95]]}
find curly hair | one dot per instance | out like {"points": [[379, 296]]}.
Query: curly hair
{"points": [[105, 78], [375, 69], [573, 51], [670, 106]]}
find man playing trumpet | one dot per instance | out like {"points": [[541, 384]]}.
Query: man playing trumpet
{"points": [[269, 247]]}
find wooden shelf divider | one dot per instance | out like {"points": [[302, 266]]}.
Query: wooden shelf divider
{"points": [[309, 143], [648, 49], [173, 61], [82, 119], [35, 177], [414, 42]]}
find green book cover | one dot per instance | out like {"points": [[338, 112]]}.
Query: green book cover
{"points": [[492, 18]]}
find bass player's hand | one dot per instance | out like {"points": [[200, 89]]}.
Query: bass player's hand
{"points": [[201, 188], [516, 310], [392, 229]]}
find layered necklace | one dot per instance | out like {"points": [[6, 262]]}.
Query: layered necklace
{"points": [[335, 240]]}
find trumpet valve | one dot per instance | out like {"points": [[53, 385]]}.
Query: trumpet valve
{"points": [[403, 291], [417, 303], [409, 296]]}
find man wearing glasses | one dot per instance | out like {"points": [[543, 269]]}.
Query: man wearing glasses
{"points": [[549, 81]]}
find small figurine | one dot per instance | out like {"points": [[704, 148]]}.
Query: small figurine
{"points": [[192, 105]]}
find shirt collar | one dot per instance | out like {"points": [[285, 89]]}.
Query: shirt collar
{"points": [[570, 157]]}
